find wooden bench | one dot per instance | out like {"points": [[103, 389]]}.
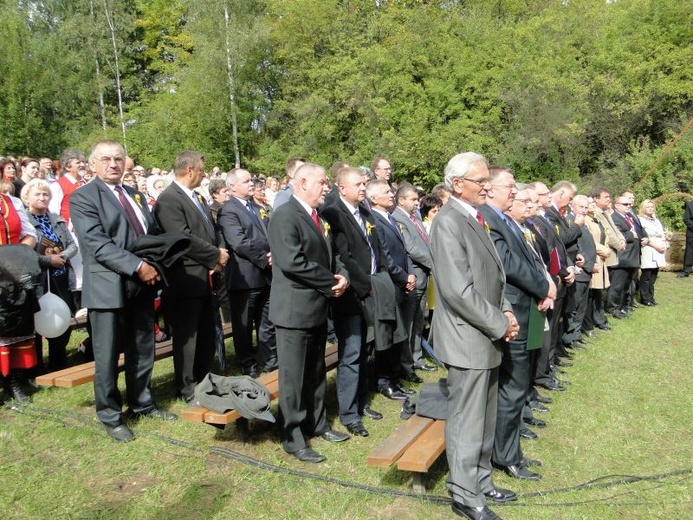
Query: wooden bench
{"points": [[84, 373], [270, 380], [414, 447]]}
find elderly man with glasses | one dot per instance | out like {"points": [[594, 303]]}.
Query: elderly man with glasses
{"points": [[623, 274]]}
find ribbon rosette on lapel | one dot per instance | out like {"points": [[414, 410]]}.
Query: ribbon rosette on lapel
{"points": [[369, 228], [263, 214], [558, 230], [325, 228], [488, 229], [138, 199]]}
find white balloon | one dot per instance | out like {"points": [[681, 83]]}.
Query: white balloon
{"points": [[54, 317]]}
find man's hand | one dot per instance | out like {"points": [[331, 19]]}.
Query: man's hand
{"points": [[579, 219], [223, 257], [644, 241], [579, 260], [513, 327], [148, 274], [552, 290], [569, 278], [545, 304], [342, 284], [269, 259], [623, 246], [411, 283]]}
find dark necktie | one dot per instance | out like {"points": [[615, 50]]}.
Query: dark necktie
{"points": [[202, 211], [129, 212], [480, 219], [249, 205]]}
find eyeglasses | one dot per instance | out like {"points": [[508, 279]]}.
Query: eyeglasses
{"points": [[107, 160], [526, 202], [624, 204], [479, 182]]}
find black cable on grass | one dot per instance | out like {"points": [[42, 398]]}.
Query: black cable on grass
{"points": [[606, 481]]}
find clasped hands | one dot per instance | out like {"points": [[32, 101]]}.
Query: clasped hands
{"points": [[513, 327]]}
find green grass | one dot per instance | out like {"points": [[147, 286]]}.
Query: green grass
{"points": [[627, 413]]}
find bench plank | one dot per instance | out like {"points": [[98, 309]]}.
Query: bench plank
{"points": [[396, 444], [425, 450]]}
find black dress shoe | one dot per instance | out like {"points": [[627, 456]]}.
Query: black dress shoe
{"points": [[158, 413], [603, 327], [413, 378], [551, 385], [392, 393], [537, 407], [309, 455], [541, 399], [501, 495], [120, 433], [682, 274], [649, 304], [356, 428], [425, 367], [404, 390], [589, 333], [619, 315], [533, 421], [371, 414], [576, 346], [334, 436], [555, 370], [530, 462], [563, 363], [518, 471], [580, 341], [474, 513], [526, 433]]}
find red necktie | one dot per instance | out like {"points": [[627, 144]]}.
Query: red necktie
{"points": [[419, 228], [314, 216], [132, 217], [480, 219]]}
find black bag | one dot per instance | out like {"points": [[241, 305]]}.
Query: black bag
{"points": [[20, 274]]}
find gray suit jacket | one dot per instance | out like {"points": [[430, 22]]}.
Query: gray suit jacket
{"points": [[417, 248], [470, 285], [105, 234]]}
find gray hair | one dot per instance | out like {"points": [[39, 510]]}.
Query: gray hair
{"points": [[459, 166], [373, 187], [70, 155]]}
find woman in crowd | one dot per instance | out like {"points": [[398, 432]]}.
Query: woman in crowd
{"points": [[55, 246], [15, 228], [8, 169], [155, 185], [429, 207], [272, 187], [600, 278], [652, 255], [259, 198], [129, 179]]}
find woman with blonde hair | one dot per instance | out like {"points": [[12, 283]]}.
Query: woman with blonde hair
{"points": [[652, 256]]}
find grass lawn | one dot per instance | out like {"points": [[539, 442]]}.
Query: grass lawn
{"points": [[619, 445]]}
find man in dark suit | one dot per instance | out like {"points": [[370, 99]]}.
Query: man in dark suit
{"points": [[623, 274], [688, 257], [527, 284], [356, 241], [401, 270], [416, 240], [472, 316], [307, 274], [248, 273], [283, 195], [108, 217], [188, 304]]}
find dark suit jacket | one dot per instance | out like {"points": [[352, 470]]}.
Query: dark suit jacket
{"points": [[105, 234], [399, 265], [630, 256], [524, 273], [350, 243], [175, 211], [568, 234], [247, 242], [588, 250], [548, 232], [303, 268]]}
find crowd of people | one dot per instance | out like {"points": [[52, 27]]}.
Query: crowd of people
{"points": [[503, 279]]}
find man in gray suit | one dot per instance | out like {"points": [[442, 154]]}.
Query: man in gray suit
{"points": [[472, 316], [108, 217], [416, 242]]}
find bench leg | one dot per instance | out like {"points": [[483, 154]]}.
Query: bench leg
{"points": [[242, 429], [418, 483]]}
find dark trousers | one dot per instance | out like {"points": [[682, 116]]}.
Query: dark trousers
{"points": [[595, 309], [688, 255], [192, 324], [581, 307], [621, 280], [513, 388], [648, 277], [352, 368], [131, 328], [302, 413], [469, 433], [249, 308], [413, 315]]}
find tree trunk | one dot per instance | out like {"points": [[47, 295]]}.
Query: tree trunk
{"points": [[232, 95], [97, 65], [111, 26]]}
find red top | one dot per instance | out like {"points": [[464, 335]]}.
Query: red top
{"points": [[10, 223]]}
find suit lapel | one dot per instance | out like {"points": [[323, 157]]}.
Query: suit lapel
{"points": [[479, 232], [192, 207]]}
